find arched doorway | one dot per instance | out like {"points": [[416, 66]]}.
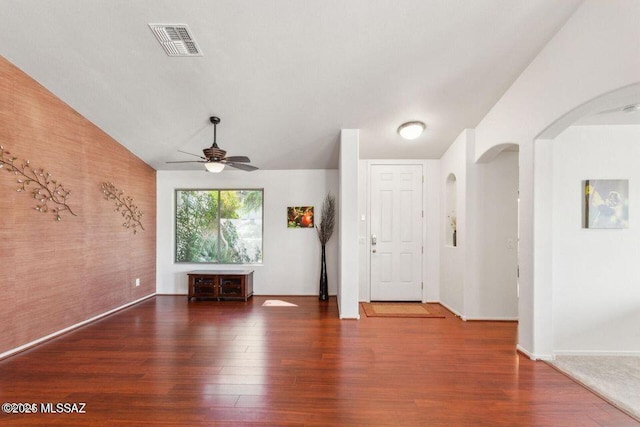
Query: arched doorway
{"points": [[584, 313]]}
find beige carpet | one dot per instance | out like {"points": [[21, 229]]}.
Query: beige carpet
{"points": [[409, 309], [614, 378]]}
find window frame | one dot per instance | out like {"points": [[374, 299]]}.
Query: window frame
{"points": [[206, 190]]}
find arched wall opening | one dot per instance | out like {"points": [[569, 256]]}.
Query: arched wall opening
{"points": [[587, 276], [493, 235], [583, 61]]}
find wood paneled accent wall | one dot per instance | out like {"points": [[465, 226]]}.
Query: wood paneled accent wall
{"points": [[57, 274]]}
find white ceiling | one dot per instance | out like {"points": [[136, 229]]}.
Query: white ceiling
{"points": [[283, 75]]}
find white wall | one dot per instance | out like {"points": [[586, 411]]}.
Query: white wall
{"points": [[492, 228], [363, 231], [478, 277], [596, 52], [596, 281], [453, 262], [291, 257], [432, 231], [348, 269]]}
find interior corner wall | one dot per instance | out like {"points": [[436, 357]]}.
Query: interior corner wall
{"points": [[57, 274], [291, 256], [596, 297], [478, 276], [348, 281], [492, 227], [453, 259]]}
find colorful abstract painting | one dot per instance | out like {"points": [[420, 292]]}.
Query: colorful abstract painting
{"points": [[300, 217], [606, 203]]}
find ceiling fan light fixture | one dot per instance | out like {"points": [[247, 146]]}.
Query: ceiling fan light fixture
{"points": [[411, 130], [214, 167]]}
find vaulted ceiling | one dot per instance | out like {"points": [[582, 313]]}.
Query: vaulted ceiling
{"points": [[283, 75]]}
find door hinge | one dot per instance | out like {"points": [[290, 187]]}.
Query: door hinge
{"points": [[423, 249], [423, 214], [422, 285]]}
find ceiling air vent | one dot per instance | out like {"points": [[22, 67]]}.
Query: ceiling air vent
{"points": [[176, 39]]}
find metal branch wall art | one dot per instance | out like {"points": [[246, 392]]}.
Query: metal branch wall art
{"points": [[49, 194], [124, 205]]}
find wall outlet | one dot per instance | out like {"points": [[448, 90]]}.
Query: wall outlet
{"points": [[138, 282]]}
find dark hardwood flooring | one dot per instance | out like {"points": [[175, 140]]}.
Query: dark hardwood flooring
{"points": [[167, 361]]}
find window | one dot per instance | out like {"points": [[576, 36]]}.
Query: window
{"points": [[219, 226]]}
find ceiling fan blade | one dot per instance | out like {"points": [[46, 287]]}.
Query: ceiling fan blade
{"points": [[238, 159], [191, 154], [242, 166], [188, 161]]}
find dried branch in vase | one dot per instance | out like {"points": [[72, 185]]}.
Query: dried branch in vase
{"points": [[328, 220], [124, 205], [50, 195]]}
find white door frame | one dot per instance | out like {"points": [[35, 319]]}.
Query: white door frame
{"points": [[366, 245]]}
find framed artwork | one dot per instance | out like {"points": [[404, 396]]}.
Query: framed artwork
{"points": [[606, 203], [300, 217]]}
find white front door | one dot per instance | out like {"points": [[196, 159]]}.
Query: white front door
{"points": [[396, 233]]}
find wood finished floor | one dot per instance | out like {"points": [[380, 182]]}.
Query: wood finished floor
{"points": [[167, 361]]}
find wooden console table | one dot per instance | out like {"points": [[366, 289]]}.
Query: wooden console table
{"points": [[233, 284]]}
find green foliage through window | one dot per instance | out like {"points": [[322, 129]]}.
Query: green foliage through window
{"points": [[219, 226]]}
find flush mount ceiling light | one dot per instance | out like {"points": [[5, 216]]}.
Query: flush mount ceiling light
{"points": [[411, 130]]}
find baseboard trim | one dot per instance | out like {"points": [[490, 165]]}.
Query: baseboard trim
{"points": [[491, 319], [595, 353], [357, 317], [455, 312], [533, 356], [70, 328]]}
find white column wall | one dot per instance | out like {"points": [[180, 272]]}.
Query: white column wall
{"points": [[543, 250], [348, 281]]}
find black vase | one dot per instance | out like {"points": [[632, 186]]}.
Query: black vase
{"points": [[324, 285]]}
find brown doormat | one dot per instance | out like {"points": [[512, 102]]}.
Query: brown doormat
{"points": [[398, 309]]}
